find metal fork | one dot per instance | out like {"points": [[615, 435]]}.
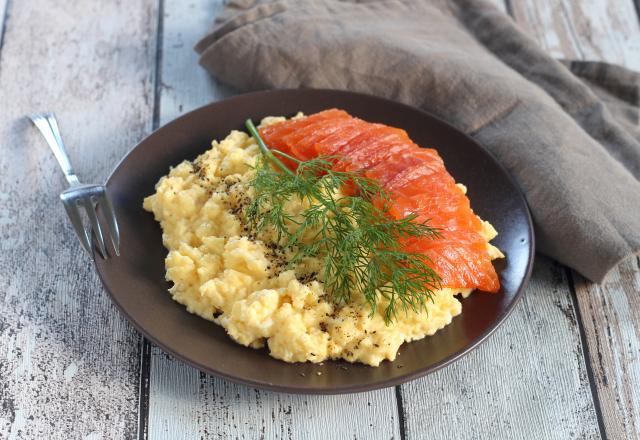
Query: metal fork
{"points": [[80, 195]]}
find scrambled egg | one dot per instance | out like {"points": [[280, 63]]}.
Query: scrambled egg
{"points": [[221, 274]]}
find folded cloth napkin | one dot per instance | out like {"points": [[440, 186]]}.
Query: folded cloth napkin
{"points": [[568, 132]]}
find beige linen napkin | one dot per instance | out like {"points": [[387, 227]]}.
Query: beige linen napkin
{"points": [[568, 133]]}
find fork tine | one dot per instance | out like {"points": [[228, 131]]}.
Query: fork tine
{"points": [[76, 221], [95, 225], [109, 213]]}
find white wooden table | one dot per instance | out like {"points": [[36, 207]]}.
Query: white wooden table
{"points": [[565, 365]]}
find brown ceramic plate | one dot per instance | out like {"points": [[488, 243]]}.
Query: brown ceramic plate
{"points": [[136, 280]]}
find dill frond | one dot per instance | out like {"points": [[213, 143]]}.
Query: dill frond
{"points": [[351, 232]]}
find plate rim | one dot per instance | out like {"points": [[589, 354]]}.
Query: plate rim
{"points": [[351, 388]]}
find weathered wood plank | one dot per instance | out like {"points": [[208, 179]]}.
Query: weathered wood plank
{"points": [[594, 30], [187, 404], [69, 364], [611, 318], [609, 31], [184, 84], [529, 380]]}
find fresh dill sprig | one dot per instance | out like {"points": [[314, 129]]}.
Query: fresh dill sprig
{"points": [[347, 226]]}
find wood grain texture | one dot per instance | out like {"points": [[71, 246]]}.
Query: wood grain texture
{"points": [[611, 318], [528, 380], [186, 404], [608, 31], [599, 30], [68, 359]]}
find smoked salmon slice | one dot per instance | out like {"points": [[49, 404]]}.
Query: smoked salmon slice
{"points": [[415, 178], [277, 132]]}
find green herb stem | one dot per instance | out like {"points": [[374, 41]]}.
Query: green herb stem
{"points": [[264, 149]]}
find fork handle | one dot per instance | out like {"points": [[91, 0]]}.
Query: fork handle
{"points": [[48, 126]]}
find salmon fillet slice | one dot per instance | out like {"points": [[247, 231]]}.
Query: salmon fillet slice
{"points": [[415, 178]]}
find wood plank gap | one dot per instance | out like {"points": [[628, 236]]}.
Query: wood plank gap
{"points": [[401, 420], [145, 359], [158, 73], [3, 25], [585, 353], [572, 30], [143, 393], [509, 8]]}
